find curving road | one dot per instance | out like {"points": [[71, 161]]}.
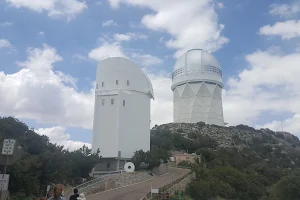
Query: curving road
{"points": [[136, 192]]}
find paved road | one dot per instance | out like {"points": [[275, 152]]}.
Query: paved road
{"points": [[135, 192]]}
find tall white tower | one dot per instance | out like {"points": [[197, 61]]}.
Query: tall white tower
{"points": [[122, 109], [197, 88]]}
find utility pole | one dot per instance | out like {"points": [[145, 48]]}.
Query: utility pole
{"points": [[281, 124]]}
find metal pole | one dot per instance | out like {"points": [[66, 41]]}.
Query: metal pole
{"points": [[4, 172], [5, 166]]}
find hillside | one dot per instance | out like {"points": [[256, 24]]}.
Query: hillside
{"points": [[237, 162]]}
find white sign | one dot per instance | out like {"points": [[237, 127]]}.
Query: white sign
{"points": [[154, 191], [4, 180], [48, 188], [8, 147]]}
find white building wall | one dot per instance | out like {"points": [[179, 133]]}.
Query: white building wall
{"points": [[134, 128], [105, 128], [200, 101]]}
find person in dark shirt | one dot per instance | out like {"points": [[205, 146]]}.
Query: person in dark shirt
{"points": [[75, 195]]}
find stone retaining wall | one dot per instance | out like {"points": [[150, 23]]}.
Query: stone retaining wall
{"points": [[182, 184], [121, 180], [161, 169]]}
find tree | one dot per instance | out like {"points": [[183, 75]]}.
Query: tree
{"points": [[288, 187], [43, 162]]}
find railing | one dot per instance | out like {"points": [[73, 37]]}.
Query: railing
{"points": [[106, 176], [168, 186]]}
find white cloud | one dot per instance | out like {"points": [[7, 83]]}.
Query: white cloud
{"points": [[146, 60], [41, 33], [122, 37], [5, 24], [38, 92], [107, 50], [197, 20], [129, 36], [290, 125], [109, 23], [285, 10], [286, 30], [220, 5], [54, 8], [58, 135], [162, 106], [80, 57], [270, 84], [4, 43]]}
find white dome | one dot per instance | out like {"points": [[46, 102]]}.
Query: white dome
{"points": [[196, 65], [121, 73]]}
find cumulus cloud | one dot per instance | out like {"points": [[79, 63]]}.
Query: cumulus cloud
{"points": [[4, 43], [58, 135], [286, 30], [40, 93], [285, 10], [198, 23], [109, 23], [269, 84], [54, 8]]}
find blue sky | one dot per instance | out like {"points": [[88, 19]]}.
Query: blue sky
{"points": [[49, 52]]}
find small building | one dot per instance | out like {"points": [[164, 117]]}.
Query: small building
{"points": [[185, 157]]}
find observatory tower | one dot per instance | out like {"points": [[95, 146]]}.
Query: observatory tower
{"points": [[122, 109], [197, 88]]}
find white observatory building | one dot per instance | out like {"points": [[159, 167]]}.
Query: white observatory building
{"points": [[197, 88], [122, 110]]}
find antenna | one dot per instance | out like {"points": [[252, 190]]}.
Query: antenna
{"points": [[281, 124]]}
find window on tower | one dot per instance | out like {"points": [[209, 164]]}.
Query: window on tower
{"points": [[117, 82], [103, 102], [102, 84], [97, 86], [127, 82], [112, 101], [123, 103]]}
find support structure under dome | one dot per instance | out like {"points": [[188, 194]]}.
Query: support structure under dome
{"points": [[197, 89]]}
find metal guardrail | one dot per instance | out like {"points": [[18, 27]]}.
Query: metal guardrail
{"points": [[105, 176]]}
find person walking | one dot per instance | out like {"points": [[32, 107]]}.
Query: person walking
{"points": [[58, 193], [75, 195]]}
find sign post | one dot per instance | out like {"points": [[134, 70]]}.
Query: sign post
{"points": [[179, 195], [4, 181], [7, 150]]}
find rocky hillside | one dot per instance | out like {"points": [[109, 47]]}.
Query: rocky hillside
{"points": [[236, 162], [264, 142]]}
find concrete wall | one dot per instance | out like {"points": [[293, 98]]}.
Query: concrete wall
{"points": [[102, 166], [118, 181], [162, 169], [182, 184]]}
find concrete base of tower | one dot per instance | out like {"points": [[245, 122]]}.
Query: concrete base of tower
{"points": [[198, 101], [109, 165]]}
